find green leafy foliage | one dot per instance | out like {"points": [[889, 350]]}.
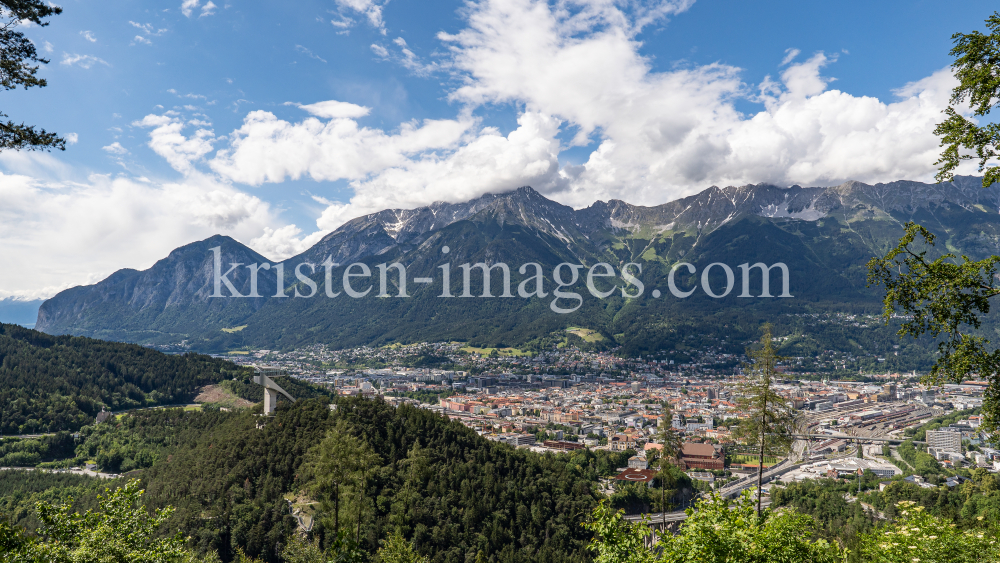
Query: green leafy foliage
{"points": [[25, 452], [616, 540], [720, 531], [917, 536], [121, 531], [717, 532], [944, 300], [826, 502], [966, 505], [395, 549], [977, 60]]}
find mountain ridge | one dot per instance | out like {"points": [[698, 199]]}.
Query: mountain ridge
{"points": [[824, 235]]}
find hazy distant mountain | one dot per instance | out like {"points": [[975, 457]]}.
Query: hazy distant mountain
{"points": [[824, 236], [16, 311]]}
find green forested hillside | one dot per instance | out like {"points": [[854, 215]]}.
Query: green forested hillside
{"points": [[451, 492], [51, 383]]}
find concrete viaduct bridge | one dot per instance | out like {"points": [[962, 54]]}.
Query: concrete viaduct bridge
{"points": [[264, 377]]}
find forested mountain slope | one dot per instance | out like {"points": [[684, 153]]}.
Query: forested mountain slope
{"points": [[51, 383], [450, 491]]}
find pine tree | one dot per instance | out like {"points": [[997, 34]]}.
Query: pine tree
{"points": [[770, 420], [19, 63], [670, 441]]}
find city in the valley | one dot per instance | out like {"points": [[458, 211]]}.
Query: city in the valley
{"points": [[564, 399]]}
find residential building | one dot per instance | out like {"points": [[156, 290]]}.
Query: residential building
{"points": [[622, 442], [945, 439], [519, 439], [638, 462], [701, 456]]}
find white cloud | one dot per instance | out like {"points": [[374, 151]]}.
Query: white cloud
{"points": [[88, 36], [167, 140], [68, 233], [657, 135], [115, 148], [790, 55], [268, 149], [332, 109], [141, 39], [405, 57], [284, 242], [342, 23], [370, 9], [489, 162], [662, 135], [148, 29], [305, 51], [82, 61], [71, 138], [48, 47], [188, 6], [575, 70]]}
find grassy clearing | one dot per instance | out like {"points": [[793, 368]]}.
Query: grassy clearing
{"points": [[238, 353], [586, 334], [499, 351], [234, 329], [753, 460]]}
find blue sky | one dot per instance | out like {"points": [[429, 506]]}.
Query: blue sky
{"points": [[275, 122]]}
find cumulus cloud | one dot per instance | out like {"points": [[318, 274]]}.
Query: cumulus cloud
{"points": [[661, 135], [82, 61], [284, 242], [88, 36], [167, 140], [115, 148], [579, 74], [268, 149], [72, 138], [189, 6], [575, 72], [68, 233], [369, 9], [489, 162]]}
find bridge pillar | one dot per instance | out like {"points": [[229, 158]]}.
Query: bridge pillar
{"points": [[270, 401], [271, 389]]}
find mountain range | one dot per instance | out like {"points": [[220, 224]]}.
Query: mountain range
{"points": [[823, 235]]}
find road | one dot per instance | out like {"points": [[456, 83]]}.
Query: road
{"points": [[73, 471], [675, 516], [895, 455]]}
